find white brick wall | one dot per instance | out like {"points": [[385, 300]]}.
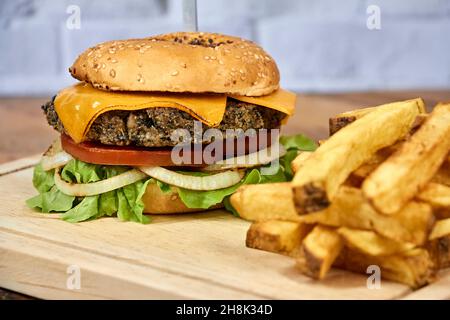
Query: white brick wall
{"points": [[320, 45]]}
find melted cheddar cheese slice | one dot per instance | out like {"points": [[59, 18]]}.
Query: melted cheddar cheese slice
{"points": [[79, 105]]}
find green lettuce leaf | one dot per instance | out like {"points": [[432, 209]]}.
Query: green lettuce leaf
{"points": [[85, 210], [43, 180], [164, 187], [126, 202], [205, 199], [51, 201], [80, 172], [298, 142]]}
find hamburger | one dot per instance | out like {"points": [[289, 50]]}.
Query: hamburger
{"points": [[173, 123]]}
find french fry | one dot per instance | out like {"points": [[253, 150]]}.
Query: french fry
{"points": [[440, 229], [397, 180], [318, 251], [439, 250], [414, 268], [343, 119], [319, 177], [259, 202], [350, 209], [368, 242], [438, 196], [357, 177], [443, 174], [299, 160], [276, 236]]}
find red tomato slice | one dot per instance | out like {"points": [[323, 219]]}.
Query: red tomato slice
{"points": [[140, 156]]}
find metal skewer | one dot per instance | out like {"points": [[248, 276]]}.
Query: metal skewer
{"points": [[190, 15]]}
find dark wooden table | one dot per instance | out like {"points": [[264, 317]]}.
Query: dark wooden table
{"points": [[24, 130]]}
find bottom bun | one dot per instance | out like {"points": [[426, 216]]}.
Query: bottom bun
{"points": [[158, 202]]}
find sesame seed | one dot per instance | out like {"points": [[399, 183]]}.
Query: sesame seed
{"points": [[237, 57], [113, 61], [112, 73], [267, 58], [206, 58], [103, 66], [174, 73], [213, 58], [241, 71], [220, 62], [233, 69]]}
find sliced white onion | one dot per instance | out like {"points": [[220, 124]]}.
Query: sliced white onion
{"points": [[258, 158], [210, 182], [55, 161], [94, 188]]}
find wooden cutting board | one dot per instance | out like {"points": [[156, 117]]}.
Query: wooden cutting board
{"points": [[199, 256]]}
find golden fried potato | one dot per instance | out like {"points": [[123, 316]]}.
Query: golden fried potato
{"points": [[299, 160], [438, 196], [414, 268], [439, 250], [343, 119], [350, 209], [397, 180], [276, 236], [259, 202], [318, 251], [318, 179], [368, 242]]}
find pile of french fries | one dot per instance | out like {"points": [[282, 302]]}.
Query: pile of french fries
{"points": [[376, 192]]}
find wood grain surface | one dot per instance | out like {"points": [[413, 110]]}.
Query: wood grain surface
{"points": [[24, 131]]}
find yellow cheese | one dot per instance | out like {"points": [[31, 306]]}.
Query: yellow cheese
{"points": [[280, 100], [78, 106]]}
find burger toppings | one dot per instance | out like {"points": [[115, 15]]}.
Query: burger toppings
{"points": [[165, 124], [95, 188], [153, 127], [195, 182], [84, 191], [77, 108]]}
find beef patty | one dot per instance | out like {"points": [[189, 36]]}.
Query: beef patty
{"points": [[153, 127]]}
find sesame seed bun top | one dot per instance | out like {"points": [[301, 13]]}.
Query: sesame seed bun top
{"points": [[179, 62]]}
